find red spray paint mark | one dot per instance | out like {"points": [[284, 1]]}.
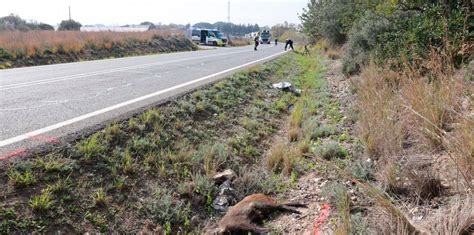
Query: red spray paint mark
{"points": [[323, 216], [45, 138], [12, 154]]}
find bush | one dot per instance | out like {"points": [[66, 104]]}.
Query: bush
{"points": [[415, 33], [363, 39], [69, 25], [164, 209], [323, 131], [332, 150]]}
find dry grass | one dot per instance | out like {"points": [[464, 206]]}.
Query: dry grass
{"points": [[457, 218], [239, 42], [276, 157], [293, 134], [423, 109], [69, 41]]}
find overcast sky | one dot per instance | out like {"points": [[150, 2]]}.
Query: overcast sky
{"points": [[262, 12]]}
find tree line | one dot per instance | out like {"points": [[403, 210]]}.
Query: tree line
{"points": [[389, 30]]}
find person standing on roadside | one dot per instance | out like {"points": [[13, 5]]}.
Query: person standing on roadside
{"points": [[289, 43], [257, 40], [276, 41]]}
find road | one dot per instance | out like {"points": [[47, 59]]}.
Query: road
{"points": [[44, 104]]}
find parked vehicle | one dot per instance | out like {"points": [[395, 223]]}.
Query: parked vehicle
{"points": [[265, 37], [211, 37]]}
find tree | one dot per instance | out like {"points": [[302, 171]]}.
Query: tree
{"points": [[47, 27], [69, 25], [152, 26]]}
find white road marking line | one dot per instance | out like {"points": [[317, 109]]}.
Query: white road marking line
{"points": [[76, 76], [123, 104]]}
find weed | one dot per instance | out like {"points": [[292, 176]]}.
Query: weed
{"points": [[121, 183], [337, 195], [323, 131], [359, 224], [362, 170], [304, 146], [54, 163], [112, 133], [296, 117], [128, 163], [99, 197], [213, 156], [97, 220], [162, 208], [332, 150], [290, 160], [202, 184], [91, 147], [21, 179], [133, 124], [275, 159], [293, 134], [42, 202], [61, 186], [293, 178]]}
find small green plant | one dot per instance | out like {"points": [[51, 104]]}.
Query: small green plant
{"points": [[337, 195], [294, 178], [54, 163], [150, 117], [61, 186], [121, 182], [41, 202], [99, 197], [296, 118], [322, 132], [362, 170], [202, 184], [113, 133], [133, 124], [91, 147], [332, 150], [128, 164], [21, 179], [98, 220]]}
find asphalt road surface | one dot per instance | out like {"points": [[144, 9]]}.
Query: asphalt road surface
{"points": [[45, 104]]}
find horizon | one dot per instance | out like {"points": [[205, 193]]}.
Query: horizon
{"points": [[126, 12]]}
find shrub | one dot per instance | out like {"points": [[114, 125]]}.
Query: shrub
{"points": [[332, 150], [362, 170], [363, 39], [213, 156], [323, 131], [161, 207], [69, 25]]}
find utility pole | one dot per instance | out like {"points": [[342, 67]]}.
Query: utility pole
{"points": [[69, 13], [228, 12]]}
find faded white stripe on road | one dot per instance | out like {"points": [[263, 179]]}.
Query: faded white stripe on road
{"points": [[123, 104]]}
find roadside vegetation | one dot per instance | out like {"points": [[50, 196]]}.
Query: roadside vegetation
{"points": [[158, 165], [18, 49], [407, 65]]}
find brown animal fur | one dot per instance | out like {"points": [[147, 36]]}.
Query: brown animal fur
{"points": [[245, 215]]}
